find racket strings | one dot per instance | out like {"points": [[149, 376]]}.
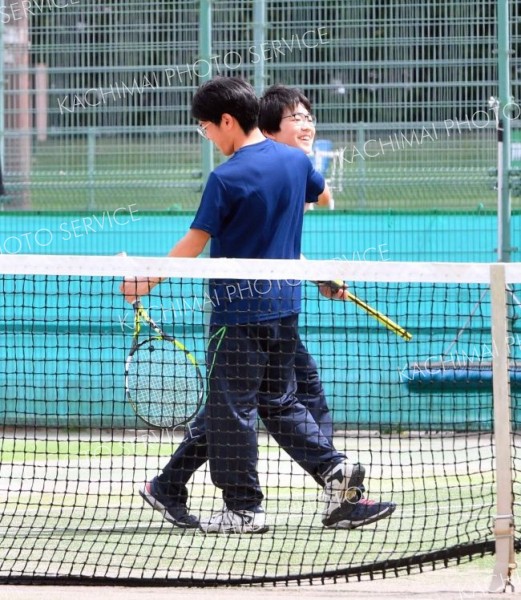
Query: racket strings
{"points": [[163, 383]]}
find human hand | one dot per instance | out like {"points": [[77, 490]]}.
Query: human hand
{"points": [[334, 290], [134, 288]]}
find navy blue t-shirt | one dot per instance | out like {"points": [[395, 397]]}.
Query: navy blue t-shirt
{"points": [[253, 206]]}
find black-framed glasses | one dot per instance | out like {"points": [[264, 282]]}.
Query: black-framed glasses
{"points": [[301, 118], [201, 130]]}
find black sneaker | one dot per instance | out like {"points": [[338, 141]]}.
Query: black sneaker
{"points": [[174, 512], [365, 512], [342, 491]]}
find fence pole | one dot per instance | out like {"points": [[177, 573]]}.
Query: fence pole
{"points": [[504, 244], [17, 153], [360, 161], [91, 167], [2, 89], [41, 85], [205, 51], [504, 521], [259, 38]]}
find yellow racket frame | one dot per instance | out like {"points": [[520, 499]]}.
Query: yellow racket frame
{"points": [[336, 286]]}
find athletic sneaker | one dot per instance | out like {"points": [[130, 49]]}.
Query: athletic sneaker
{"points": [[341, 491], [365, 512], [174, 512], [235, 521]]}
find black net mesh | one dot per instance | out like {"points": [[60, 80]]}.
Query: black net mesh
{"points": [[81, 472]]}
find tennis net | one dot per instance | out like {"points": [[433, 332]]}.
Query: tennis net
{"points": [[417, 413]]}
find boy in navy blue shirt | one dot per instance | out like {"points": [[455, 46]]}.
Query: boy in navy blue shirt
{"points": [[252, 207]]}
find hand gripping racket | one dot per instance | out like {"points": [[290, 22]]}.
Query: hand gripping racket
{"points": [[163, 382], [336, 286]]}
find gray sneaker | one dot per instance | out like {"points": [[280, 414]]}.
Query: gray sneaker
{"points": [[235, 521], [341, 491]]}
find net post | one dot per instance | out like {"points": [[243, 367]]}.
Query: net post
{"points": [[504, 520]]}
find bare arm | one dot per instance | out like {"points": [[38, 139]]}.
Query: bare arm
{"points": [[189, 246], [325, 197]]}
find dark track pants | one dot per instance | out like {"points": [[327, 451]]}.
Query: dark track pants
{"points": [[253, 371]]}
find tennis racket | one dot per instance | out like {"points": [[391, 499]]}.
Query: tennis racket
{"points": [[336, 286], [163, 382]]}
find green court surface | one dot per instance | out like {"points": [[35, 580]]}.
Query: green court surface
{"points": [[86, 518], [399, 170]]}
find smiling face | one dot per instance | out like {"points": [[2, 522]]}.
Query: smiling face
{"points": [[298, 134]]}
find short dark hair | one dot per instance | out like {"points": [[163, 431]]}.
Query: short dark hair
{"points": [[275, 101], [230, 95]]}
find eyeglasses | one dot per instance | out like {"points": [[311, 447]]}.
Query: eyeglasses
{"points": [[302, 118], [201, 130]]}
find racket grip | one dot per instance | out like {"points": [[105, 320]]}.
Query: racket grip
{"points": [[335, 285]]}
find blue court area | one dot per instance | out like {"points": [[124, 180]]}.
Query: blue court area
{"points": [[67, 340], [466, 237]]}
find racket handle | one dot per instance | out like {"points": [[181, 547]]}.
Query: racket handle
{"points": [[335, 285]]}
